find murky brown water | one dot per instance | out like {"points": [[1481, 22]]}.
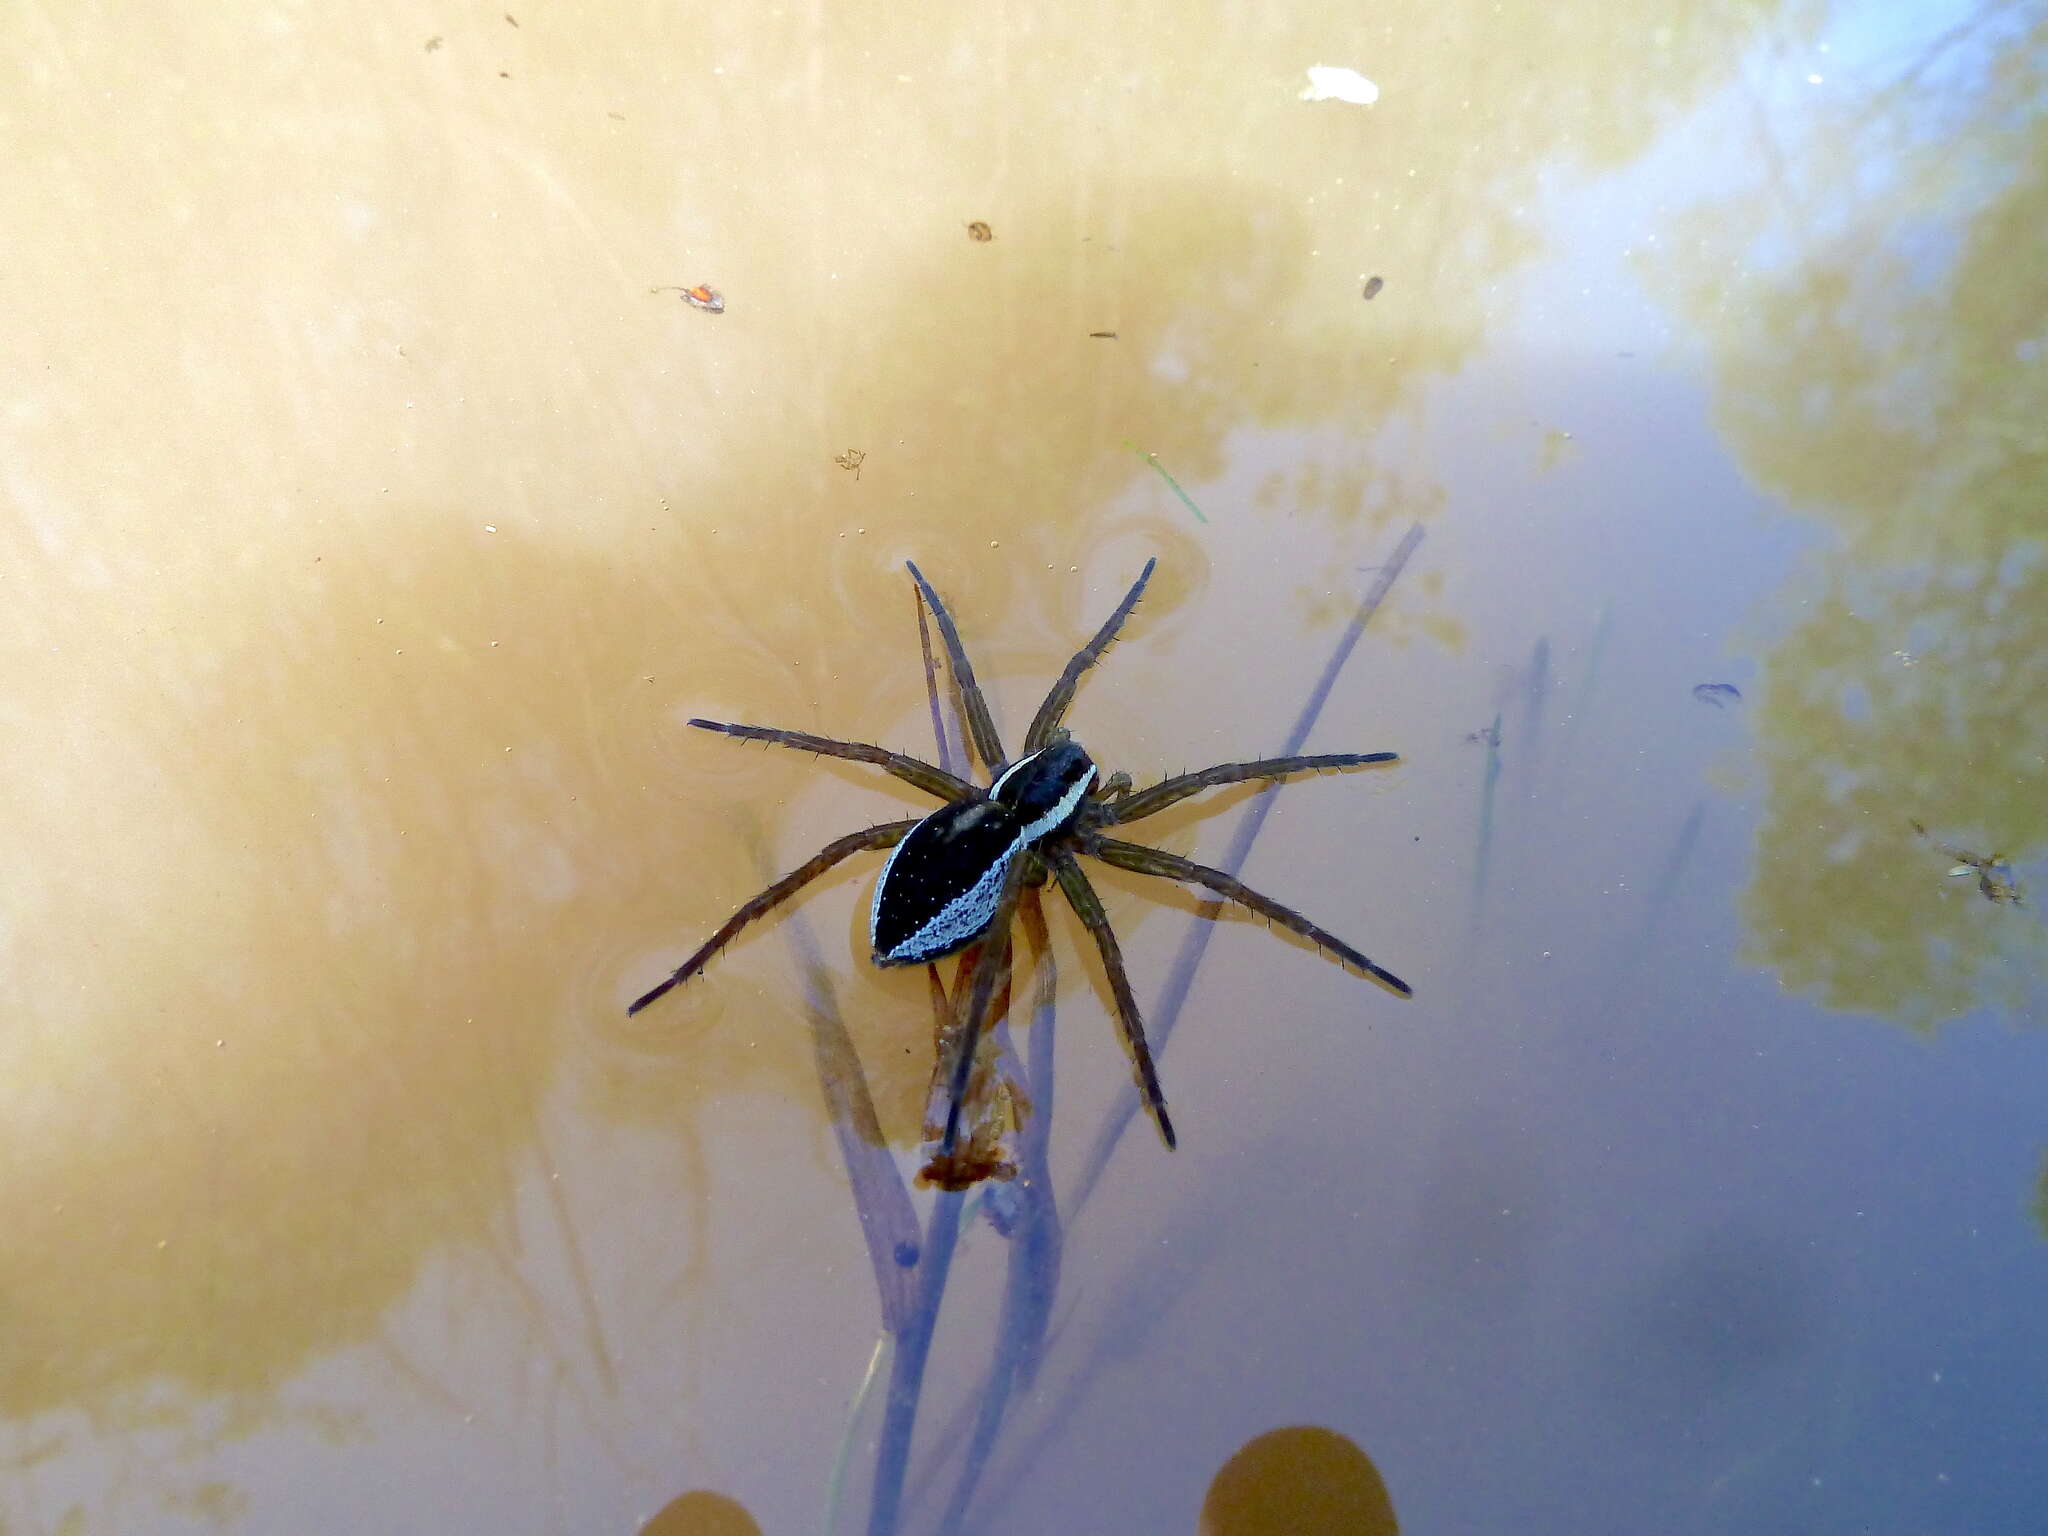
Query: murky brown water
{"points": [[374, 527]]}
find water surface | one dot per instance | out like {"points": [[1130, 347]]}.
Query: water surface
{"points": [[374, 527]]}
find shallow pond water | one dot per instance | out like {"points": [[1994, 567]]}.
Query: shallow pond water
{"points": [[414, 420]]}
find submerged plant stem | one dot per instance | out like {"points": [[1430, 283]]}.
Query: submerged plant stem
{"points": [[835, 1485], [906, 1374]]}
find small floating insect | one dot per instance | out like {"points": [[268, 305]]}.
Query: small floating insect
{"points": [[1716, 694], [703, 296], [852, 459], [980, 233], [956, 876]]}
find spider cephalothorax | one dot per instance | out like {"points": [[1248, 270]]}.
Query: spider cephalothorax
{"points": [[957, 874]]}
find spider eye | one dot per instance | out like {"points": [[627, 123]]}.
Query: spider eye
{"points": [[1046, 788]]}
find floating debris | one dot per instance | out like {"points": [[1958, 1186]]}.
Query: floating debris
{"points": [[1995, 882], [1490, 734], [703, 296], [980, 233], [852, 459], [1153, 459], [1330, 82], [1716, 694], [434, 43], [1372, 286], [1102, 335], [994, 1103]]}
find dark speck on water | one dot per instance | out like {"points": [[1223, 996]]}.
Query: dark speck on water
{"points": [[1372, 286], [1716, 694]]}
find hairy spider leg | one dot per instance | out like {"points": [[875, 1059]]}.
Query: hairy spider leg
{"points": [[981, 726], [1158, 797], [1171, 866], [1032, 911], [931, 684], [1080, 894], [911, 770], [989, 965], [1055, 706], [887, 835]]}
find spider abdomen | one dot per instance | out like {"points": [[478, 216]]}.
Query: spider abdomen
{"points": [[939, 890]]}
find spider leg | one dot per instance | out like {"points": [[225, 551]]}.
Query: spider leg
{"points": [[981, 726], [911, 770], [1156, 861], [989, 967], [1172, 791], [1087, 906], [931, 685], [886, 835], [1032, 912], [1062, 694]]}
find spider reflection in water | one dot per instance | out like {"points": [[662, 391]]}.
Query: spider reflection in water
{"points": [[958, 873]]}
